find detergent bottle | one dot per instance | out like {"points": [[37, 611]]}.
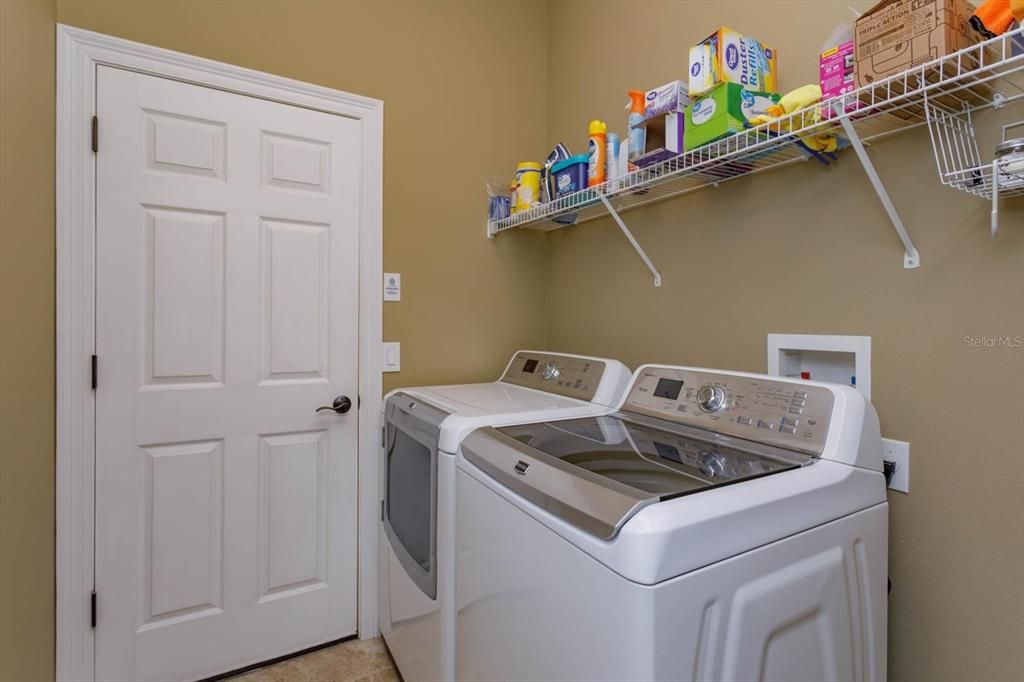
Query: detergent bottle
{"points": [[637, 132], [598, 152]]}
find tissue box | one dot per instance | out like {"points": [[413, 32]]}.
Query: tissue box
{"points": [[724, 111], [664, 110], [664, 138], [837, 75], [727, 56], [665, 99]]}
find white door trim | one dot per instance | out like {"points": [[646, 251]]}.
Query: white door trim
{"points": [[79, 52]]}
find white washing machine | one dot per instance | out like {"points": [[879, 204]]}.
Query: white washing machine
{"points": [[423, 428], [716, 526]]}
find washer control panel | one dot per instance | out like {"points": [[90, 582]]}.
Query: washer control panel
{"points": [[561, 374], [783, 413]]}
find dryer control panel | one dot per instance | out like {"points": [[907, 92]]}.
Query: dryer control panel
{"points": [[791, 415], [562, 374]]}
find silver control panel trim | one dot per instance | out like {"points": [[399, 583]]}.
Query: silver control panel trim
{"points": [[595, 504], [786, 456], [782, 413], [560, 374]]}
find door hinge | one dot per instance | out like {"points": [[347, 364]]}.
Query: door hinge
{"points": [[92, 608], [382, 510], [359, 401], [383, 438], [94, 364], [95, 133]]}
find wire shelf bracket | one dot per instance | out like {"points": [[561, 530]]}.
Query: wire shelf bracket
{"points": [[632, 240], [911, 258]]}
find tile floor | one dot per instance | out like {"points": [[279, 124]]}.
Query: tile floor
{"points": [[351, 661]]}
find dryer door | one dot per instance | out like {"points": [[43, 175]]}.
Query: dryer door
{"points": [[410, 492]]}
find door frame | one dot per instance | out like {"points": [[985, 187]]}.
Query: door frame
{"points": [[79, 53]]}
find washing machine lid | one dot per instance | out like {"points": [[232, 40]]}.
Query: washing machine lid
{"points": [[471, 406], [496, 397], [597, 472]]}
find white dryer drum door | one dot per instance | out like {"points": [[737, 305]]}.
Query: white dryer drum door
{"points": [[410, 493]]}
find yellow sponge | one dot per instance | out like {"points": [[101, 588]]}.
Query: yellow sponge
{"points": [[795, 100]]}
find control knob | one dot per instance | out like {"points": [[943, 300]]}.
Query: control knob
{"points": [[550, 372], [711, 464], [710, 398]]}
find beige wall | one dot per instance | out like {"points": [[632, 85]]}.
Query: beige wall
{"points": [[444, 71], [26, 340], [809, 250]]}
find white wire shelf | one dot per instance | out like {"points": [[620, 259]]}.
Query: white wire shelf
{"points": [[959, 160], [979, 180], [983, 75]]}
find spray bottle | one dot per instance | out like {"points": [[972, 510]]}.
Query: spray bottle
{"points": [[612, 160], [637, 132], [598, 151]]}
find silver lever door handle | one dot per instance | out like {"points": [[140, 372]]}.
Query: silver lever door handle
{"points": [[341, 405]]}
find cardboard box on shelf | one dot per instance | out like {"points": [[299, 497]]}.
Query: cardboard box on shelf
{"points": [[836, 75], [723, 111], [896, 35], [664, 99], [664, 138], [663, 118], [727, 56]]}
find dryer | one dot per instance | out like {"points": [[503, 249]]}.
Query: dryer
{"points": [[716, 526], [422, 430]]}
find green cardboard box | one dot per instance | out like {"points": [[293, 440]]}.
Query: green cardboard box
{"points": [[723, 111]]}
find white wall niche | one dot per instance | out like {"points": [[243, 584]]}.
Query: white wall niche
{"points": [[827, 357]]}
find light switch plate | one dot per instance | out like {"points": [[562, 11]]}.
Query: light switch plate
{"points": [[898, 452], [392, 286], [392, 356]]}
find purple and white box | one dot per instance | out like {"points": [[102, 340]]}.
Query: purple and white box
{"points": [[664, 113], [837, 75]]}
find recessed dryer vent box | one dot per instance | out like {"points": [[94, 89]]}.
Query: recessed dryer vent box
{"points": [[835, 359]]}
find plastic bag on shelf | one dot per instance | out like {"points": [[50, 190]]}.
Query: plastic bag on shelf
{"points": [[499, 206], [842, 33]]}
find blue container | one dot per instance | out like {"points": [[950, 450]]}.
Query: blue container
{"points": [[570, 175]]}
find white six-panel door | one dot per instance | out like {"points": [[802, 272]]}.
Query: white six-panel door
{"points": [[227, 289]]}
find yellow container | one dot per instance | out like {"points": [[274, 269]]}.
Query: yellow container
{"points": [[527, 185]]}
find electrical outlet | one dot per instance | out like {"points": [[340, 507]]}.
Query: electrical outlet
{"points": [[898, 452]]}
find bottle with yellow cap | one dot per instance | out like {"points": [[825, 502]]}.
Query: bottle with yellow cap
{"points": [[598, 152]]}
